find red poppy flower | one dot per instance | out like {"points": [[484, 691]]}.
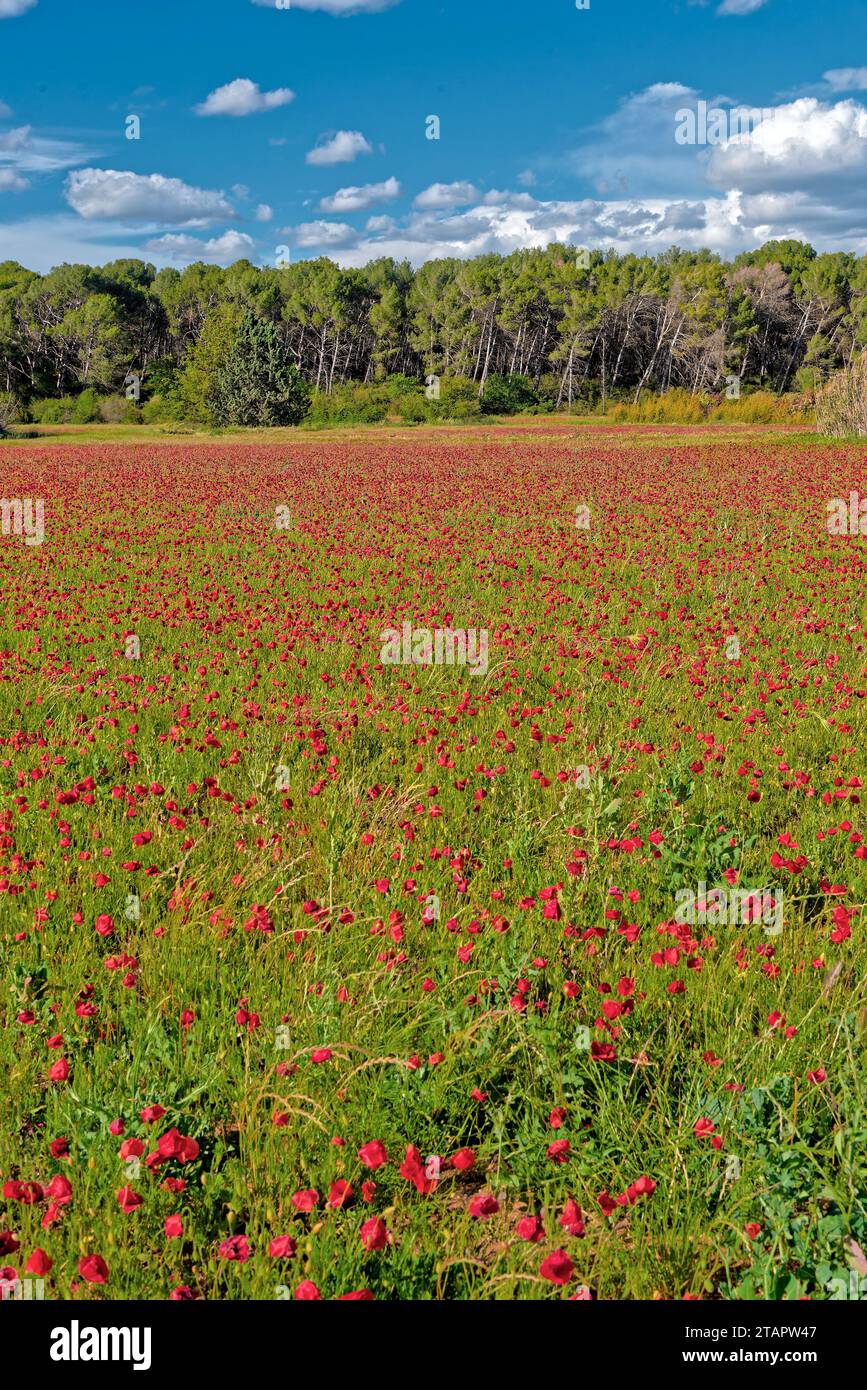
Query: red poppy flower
{"points": [[373, 1154], [557, 1267], [374, 1234], [93, 1269]]}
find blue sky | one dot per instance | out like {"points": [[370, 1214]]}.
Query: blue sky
{"points": [[305, 127]]}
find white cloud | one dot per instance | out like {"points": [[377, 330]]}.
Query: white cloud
{"points": [[340, 148], [113, 193], [326, 235], [242, 98], [9, 9], [220, 250], [11, 181], [240, 191], [504, 222], [42, 242], [740, 6], [447, 195], [5, 111], [21, 149], [264, 213], [846, 79], [335, 7], [805, 143], [360, 199]]}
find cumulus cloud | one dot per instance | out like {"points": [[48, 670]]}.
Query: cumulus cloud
{"points": [[804, 143], [340, 148], [10, 9], [504, 222], [220, 250], [447, 195], [11, 181], [113, 193], [360, 199], [335, 7], [264, 213], [326, 235], [243, 98]]}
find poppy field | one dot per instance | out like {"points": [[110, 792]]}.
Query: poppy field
{"points": [[433, 867]]}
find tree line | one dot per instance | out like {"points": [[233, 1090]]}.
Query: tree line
{"points": [[574, 325]]}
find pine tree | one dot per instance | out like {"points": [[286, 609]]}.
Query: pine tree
{"points": [[258, 384]]}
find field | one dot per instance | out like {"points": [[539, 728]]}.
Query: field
{"points": [[330, 976]]}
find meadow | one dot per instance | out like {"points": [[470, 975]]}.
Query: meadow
{"points": [[329, 976]]}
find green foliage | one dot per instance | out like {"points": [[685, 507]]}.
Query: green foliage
{"points": [[54, 410], [257, 383], [204, 363], [537, 330], [458, 400], [162, 408], [398, 397], [86, 408], [506, 395]]}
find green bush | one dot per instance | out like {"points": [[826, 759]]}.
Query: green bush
{"points": [[506, 395], [458, 400], [86, 408], [54, 410], [351, 403], [162, 408]]}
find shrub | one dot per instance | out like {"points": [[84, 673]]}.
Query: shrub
{"points": [[117, 410], [54, 410], [351, 403], [458, 400], [162, 408], [86, 408], [841, 405], [506, 395]]}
